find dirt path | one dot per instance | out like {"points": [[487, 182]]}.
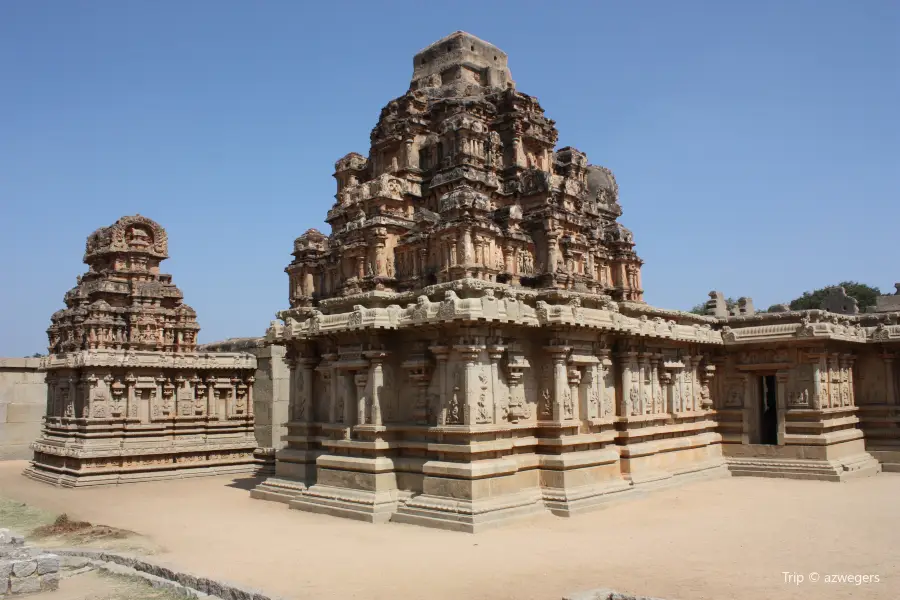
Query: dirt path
{"points": [[716, 540]]}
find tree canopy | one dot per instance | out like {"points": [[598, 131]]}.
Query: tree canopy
{"points": [[864, 294]]}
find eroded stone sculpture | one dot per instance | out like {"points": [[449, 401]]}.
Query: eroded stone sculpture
{"points": [[129, 396]]}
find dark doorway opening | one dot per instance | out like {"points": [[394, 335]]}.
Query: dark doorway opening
{"points": [[768, 410]]}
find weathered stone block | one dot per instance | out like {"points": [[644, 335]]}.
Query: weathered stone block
{"points": [[50, 581], [47, 563], [24, 568], [25, 585]]}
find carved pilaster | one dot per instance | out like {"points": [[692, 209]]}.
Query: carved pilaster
{"points": [[469, 354], [361, 379], [441, 354], [495, 352], [570, 403], [211, 402], [376, 370], [561, 394], [629, 393], [890, 393], [515, 370]]}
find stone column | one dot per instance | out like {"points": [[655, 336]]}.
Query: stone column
{"points": [[850, 359], [304, 389], [376, 370], [69, 409], [495, 352], [423, 262], [249, 382], [558, 354], [515, 368], [412, 161], [570, 407], [211, 411], [889, 392], [131, 409], [469, 353], [441, 353], [509, 259], [749, 401], [160, 401], [603, 367], [231, 409], [781, 380], [819, 398], [552, 251], [466, 250], [655, 387], [361, 379], [834, 381], [626, 409], [645, 395], [687, 395]]}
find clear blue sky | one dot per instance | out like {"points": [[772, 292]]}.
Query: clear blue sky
{"points": [[756, 144]]}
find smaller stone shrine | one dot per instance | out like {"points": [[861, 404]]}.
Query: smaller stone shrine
{"points": [[129, 397]]}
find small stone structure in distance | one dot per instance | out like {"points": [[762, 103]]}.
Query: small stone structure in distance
{"points": [[129, 397]]}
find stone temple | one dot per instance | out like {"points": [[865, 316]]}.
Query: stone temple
{"points": [[129, 396], [468, 345]]}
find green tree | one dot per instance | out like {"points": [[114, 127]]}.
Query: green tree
{"points": [[864, 294]]}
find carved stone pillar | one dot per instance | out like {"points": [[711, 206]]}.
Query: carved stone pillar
{"points": [[131, 406], [750, 400], [515, 370], [687, 378], [466, 249], [706, 376], [834, 381], [495, 352], [781, 381], [249, 383], [441, 354], [604, 372], [561, 394], [629, 395], [469, 353], [423, 262], [361, 379], [890, 394], [552, 251], [70, 400], [211, 397], [655, 387], [645, 388], [303, 411], [376, 360], [819, 395], [571, 402], [232, 410], [412, 158]]}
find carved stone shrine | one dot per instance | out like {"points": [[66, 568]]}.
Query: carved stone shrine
{"points": [[129, 396]]}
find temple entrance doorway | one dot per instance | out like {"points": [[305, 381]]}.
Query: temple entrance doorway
{"points": [[768, 410]]}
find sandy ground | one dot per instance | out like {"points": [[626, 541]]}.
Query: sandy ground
{"points": [[720, 539]]}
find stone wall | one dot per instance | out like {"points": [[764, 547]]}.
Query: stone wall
{"points": [[23, 400], [271, 387]]}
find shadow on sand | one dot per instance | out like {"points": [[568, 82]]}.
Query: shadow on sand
{"points": [[246, 483]]}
